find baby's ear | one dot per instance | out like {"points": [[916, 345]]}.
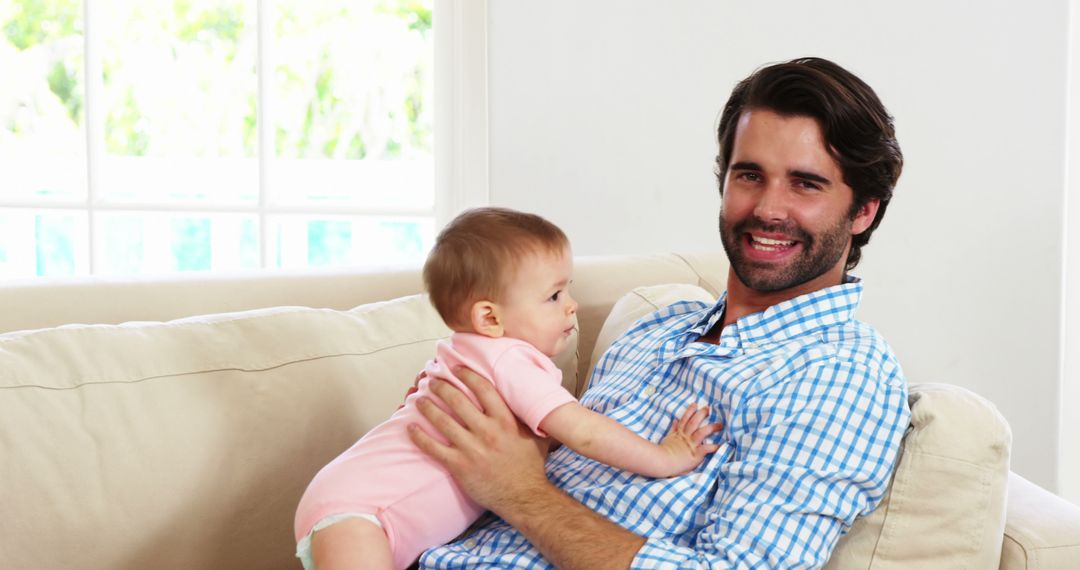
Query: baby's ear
{"points": [[485, 319]]}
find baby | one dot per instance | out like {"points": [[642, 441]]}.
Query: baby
{"points": [[499, 278]]}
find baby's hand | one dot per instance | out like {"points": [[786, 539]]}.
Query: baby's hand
{"points": [[684, 442]]}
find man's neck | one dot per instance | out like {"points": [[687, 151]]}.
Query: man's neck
{"points": [[742, 300]]}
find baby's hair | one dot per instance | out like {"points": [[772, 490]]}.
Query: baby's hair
{"points": [[476, 255]]}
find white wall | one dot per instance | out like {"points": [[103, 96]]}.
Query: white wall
{"points": [[1069, 470], [602, 116]]}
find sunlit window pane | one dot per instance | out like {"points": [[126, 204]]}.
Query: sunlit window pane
{"points": [[156, 242], [43, 243], [353, 84], [306, 241], [60, 239], [42, 135], [153, 164], [191, 243], [329, 242], [121, 243], [179, 82]]}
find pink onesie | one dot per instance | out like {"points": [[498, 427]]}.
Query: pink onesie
{"points": [[414, 498]]}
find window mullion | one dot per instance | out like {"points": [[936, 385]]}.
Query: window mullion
{"points": [[461, 108], [94, 117], [265, 72]]}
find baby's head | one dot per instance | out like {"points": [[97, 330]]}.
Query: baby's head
{"points": [[499, 272]]}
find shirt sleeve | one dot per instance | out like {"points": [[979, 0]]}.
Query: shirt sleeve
{"points": [[530, 384], [809, 456]]}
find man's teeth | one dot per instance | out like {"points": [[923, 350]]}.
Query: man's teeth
{"points": [[770, 244]]}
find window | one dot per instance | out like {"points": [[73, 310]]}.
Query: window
{"points": [[157, 136]]}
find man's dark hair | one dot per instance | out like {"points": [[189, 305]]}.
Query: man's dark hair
{"points": [[858, 131]]}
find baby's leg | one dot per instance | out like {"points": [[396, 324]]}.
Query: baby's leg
{"points": [[350, 544]]}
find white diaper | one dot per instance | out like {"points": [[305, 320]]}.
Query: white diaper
{"points": [[303, 548]]}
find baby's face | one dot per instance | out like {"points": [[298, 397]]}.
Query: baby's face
{"points": [[538, 307]]}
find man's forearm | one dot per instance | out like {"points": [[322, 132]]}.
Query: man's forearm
{"points": [[500, 464], [570, 535]]}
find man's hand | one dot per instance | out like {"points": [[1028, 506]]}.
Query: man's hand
{"points": [[500, 464], [495, 459]]}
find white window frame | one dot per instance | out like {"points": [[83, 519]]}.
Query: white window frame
{"points": [[460, 124], [461, 107]]}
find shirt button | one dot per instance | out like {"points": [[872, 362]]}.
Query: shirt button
{"points": [[469, 544], [648, 391]]}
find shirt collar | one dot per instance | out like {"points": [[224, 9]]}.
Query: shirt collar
{"points": [[794, 317]]}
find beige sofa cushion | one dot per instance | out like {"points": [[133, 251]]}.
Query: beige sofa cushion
{"points": [[1052, 543], [946, 505], [187, 444], [639, 302]]}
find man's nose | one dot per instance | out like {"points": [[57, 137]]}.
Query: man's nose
{"points": [[772, 204]]}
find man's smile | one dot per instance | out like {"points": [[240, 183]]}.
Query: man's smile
{"points": [[761, 247], [769, 244]]}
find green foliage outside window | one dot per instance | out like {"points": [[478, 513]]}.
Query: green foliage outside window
{"points": [[326, 106], [32, 22], [49, 33]]}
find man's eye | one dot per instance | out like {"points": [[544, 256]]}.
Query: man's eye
{"points": [[749, 176], [808, 185]]}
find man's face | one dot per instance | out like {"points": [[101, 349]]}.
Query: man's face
{"points": [[785, 217]]}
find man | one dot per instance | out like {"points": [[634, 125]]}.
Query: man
{"points": [[813, 402]]}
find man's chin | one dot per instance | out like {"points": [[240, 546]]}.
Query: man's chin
{"points": [[770, 280], [768, 286]]}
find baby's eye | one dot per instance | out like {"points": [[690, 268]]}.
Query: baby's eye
{"points": [[555, 297]]}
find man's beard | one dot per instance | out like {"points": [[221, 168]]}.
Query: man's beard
{"points": [[819, 253]]}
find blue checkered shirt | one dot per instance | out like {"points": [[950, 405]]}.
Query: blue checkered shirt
{"points": [[813, 403]]}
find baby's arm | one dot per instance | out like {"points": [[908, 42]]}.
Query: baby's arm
{"points": [[601, 438]]}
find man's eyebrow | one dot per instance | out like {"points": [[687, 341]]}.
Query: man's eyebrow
{"points": [[804, 174], [809, 176]]}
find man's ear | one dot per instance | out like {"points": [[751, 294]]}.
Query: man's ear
{"points": [[485, 319], [864, 216]]}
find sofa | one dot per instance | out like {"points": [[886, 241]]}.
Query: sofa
{"points": [[174, 423]]}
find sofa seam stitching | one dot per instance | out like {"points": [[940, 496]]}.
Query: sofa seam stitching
{"points": [[306, 358]]}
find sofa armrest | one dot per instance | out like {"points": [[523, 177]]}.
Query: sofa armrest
{"points": [[1042, 530]]}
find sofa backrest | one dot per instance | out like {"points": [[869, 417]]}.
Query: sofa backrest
{"points": [[598, 282], [187, 444]]}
